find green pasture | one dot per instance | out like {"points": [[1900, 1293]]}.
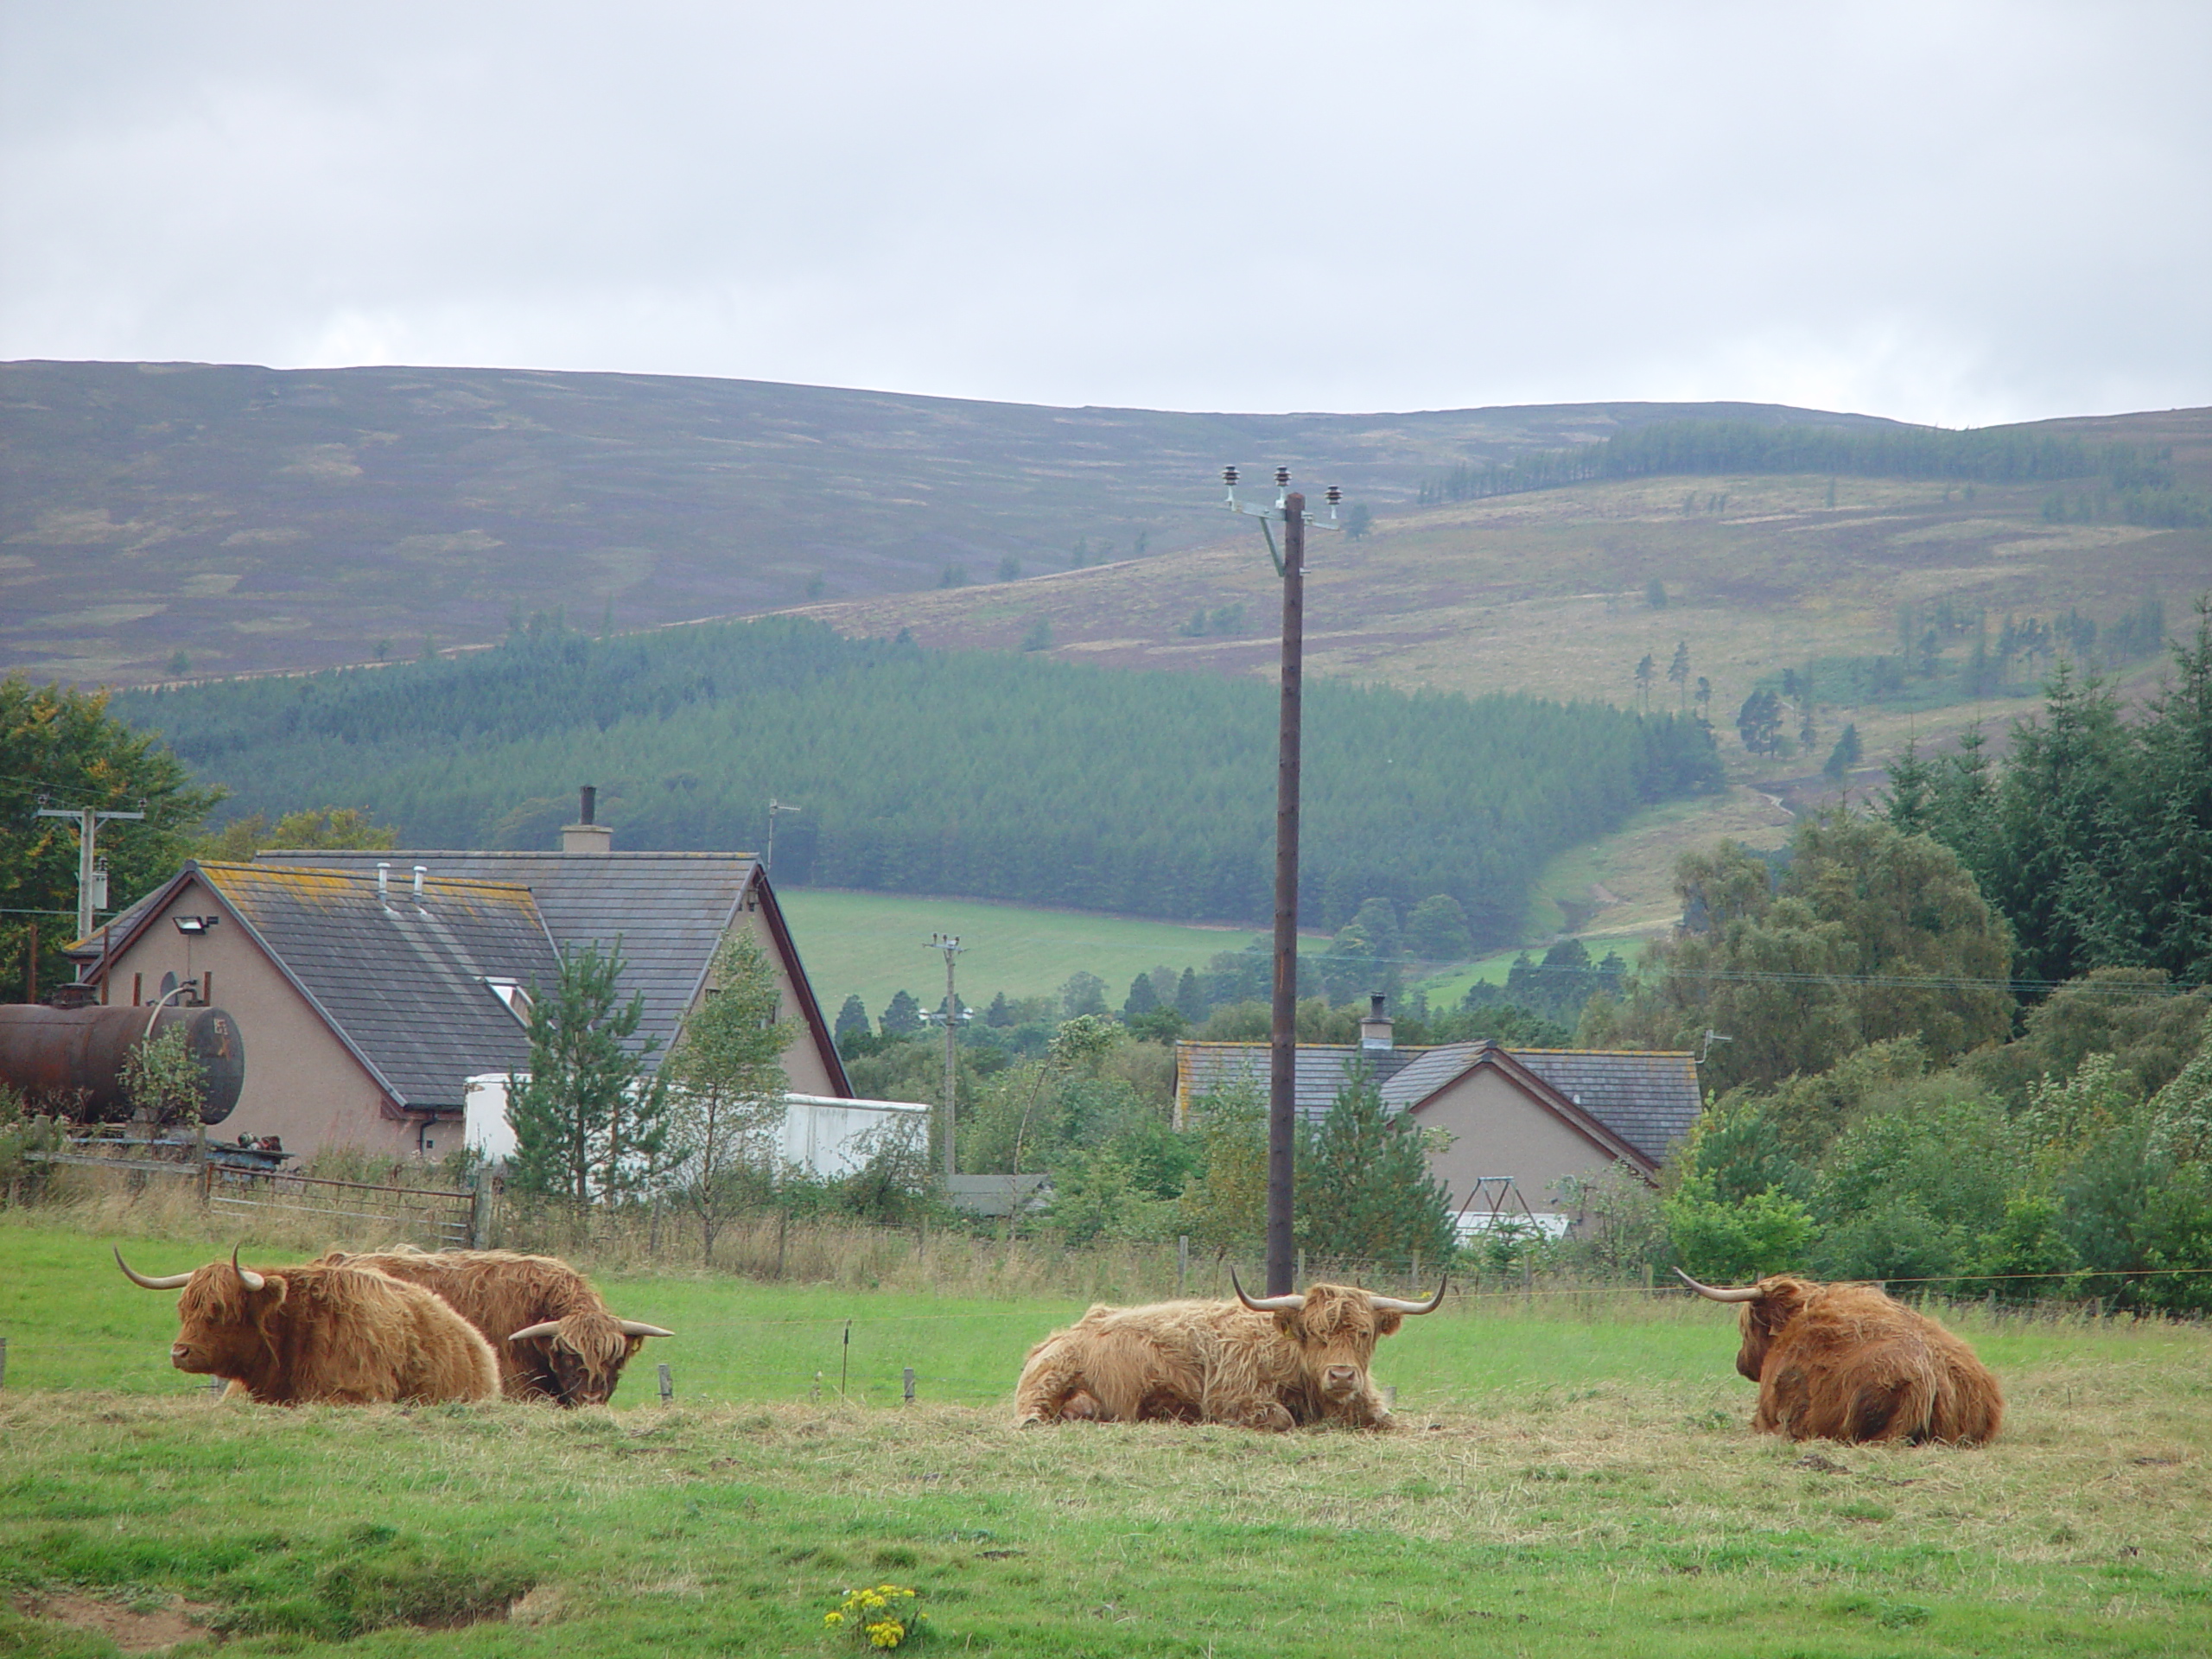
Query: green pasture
{"points": [[878, 945], [1574, 1476]]}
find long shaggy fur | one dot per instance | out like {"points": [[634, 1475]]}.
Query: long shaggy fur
{"points": [[500, 1292], [1850, 1362], [1212, 1363], [329, 1335]]}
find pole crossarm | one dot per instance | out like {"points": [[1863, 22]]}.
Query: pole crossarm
{"points": [[88, 821]]}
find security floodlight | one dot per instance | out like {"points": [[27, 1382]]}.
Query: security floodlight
{"points": [[192, 926]]}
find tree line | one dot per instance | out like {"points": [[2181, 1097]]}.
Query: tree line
{"points": [[996, 775], [2138, 481]]}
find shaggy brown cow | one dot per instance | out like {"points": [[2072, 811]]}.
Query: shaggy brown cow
{"points": [[554, 1336], [1849, 1363], [1266, 1363], [335, 1336]]}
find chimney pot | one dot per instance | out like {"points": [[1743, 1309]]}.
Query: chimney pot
{"points": [[384, 878], [590, 803], [420, 870]]}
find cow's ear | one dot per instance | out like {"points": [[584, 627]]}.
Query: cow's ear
{"points": [[1386, 1322]]}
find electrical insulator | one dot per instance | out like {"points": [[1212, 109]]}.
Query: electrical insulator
{"points": [[1282, 477], [1228, 476]]}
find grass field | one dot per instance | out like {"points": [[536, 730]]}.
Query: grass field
{"points": [[878, 945], [1574, 1476]]}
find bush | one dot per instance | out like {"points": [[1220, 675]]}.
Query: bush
{"points": [[1736, 1241]]}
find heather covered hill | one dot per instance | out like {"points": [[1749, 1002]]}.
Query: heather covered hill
{"points": [[160, 520]]}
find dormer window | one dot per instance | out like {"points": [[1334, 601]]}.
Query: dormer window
{"points": [[512, 995]]}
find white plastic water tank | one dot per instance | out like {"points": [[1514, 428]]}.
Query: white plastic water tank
{"points": [[484, 1103]]}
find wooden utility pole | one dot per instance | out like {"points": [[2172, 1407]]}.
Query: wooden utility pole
{"points": [[91, 879], [1282, 1057], [1289, 511], [950, 944]]}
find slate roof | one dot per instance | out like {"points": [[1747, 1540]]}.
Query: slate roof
{"points": [[1649, 1099], [668, 910], [402, 982], [1201, 1068]]}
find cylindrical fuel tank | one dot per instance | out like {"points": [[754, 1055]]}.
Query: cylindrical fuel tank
{"points": [[72, 1058]]}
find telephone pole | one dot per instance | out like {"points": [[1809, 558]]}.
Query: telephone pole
{"points": [[91, 881], [950, 944], [1289, 511]]}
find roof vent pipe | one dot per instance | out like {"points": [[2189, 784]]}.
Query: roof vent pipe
{"points": [[384, 878], [420, 870]]}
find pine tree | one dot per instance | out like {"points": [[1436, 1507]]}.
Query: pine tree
{"points": [[1843, 758], [589, 1117], [999, 1015], [1142, 999], [1364, 1193], [1190, 997], [1678, 673], [902, 1017], [852, 1019]]}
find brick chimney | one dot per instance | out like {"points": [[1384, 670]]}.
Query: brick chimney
{"points": [[584, 835], [1374, 1028]]}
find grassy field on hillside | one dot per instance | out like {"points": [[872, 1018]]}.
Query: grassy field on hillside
{"points": [[878, 945], [1575, 1480]]}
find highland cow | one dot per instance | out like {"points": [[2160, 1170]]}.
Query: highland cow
{"points": [[325, 1335], [554, 1338], [1849, 1363], [1270, 1363]]}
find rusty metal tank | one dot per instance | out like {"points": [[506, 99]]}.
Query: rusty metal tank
{"points": [[72, 1058]]}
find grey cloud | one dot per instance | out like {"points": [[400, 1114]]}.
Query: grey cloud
{"points": [[1961, 214]]}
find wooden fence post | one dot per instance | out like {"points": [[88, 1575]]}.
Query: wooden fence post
{"points": [[667, 1384], [907, 1377], [3, 1366], [1301, 1268], [1182, 1261], [1417, 1269], [480, 1213]]}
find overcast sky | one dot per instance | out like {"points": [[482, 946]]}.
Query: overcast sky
{"points": [[1962, 213]]}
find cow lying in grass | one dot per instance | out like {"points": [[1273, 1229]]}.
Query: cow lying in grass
{"points": [[1270, 1363], [1850, 1362], [554, 1338], [323, 1334]]}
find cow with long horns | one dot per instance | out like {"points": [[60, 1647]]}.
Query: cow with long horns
{"points": [[1272, 1362], [1850, 1362], [554, 1337], [323, 1334]]}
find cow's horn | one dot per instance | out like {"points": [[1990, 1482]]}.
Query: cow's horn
{"points": [[1748, 1293], [638, 1328], [1290, 1304], [1399, 1305], [173, 1281], [546, 1329], [247, 1276]]}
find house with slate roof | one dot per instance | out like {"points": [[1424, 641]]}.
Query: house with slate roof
{"points": [[370, 987], [1531, 1117]]}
